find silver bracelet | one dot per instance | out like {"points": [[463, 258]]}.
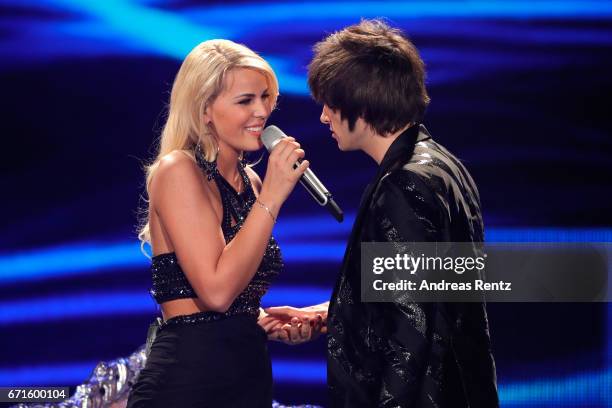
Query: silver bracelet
{"points": [[262, 205]]}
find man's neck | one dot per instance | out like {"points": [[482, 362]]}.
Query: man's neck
{"points": [[376, 145]]}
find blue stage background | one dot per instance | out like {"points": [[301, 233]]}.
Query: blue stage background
{"points": [[520, 92]]}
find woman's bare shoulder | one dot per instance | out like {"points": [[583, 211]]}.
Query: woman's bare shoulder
{"points": [[177, 158], [176, 168]]}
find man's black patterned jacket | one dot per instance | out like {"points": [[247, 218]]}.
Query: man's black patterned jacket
{"points": [[411, 354]]}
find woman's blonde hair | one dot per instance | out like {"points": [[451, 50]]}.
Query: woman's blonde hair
{"points": [[198, 82]]}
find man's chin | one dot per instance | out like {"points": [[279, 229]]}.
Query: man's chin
{"points": [[345, 148]]}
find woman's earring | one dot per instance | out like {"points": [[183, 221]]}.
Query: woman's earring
{"points": [[210, 168]]}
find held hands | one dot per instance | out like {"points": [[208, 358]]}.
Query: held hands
{"points": [[292, 325], [281, 176]]}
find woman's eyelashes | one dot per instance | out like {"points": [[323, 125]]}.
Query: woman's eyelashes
{"points": [[247, 101]]}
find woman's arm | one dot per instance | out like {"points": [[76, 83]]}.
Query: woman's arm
{"points": [[219, 272]]}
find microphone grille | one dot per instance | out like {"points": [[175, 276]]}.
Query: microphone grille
{"points": [[270, 137]]}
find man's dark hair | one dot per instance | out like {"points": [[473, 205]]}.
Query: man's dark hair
{"points": [[372, 71]]}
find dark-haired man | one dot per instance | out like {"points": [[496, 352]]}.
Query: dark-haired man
{"points": [[370, 80]]}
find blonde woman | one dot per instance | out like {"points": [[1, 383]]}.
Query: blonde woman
{"points": [[209, 224]]}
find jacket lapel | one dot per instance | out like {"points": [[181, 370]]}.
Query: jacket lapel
{"points": [[401, 148]]}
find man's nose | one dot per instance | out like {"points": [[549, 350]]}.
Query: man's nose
{"points": [[324, 118]]}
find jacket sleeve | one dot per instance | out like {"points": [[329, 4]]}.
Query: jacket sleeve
{"points": [[406, 333]]}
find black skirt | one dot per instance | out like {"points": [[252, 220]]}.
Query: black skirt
{"points": [[222, 363]]}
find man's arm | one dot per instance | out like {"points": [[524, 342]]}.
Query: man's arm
{"points": [[405, 210]]}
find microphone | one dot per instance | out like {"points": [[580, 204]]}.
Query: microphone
{"points": [[270, 138]]}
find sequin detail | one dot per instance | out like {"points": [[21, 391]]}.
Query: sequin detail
{"points": [[203, 317], [170, 282]]}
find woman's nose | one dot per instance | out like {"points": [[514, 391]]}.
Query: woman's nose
{"points": [[262, 110]]}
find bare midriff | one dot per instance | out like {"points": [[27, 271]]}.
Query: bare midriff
{"points": [[179, 307]]}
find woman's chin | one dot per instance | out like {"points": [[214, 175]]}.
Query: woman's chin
{"points": [[253, 145]]}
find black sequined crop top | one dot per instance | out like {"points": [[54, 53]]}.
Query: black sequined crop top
{"points": [[169, 281]]}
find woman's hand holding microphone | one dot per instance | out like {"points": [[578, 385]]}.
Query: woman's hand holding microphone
{"points": [[281, 175]]}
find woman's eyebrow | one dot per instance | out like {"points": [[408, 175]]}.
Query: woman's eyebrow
{"points": [[250, 95], [244, 94]]}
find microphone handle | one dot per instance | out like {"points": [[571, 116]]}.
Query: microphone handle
{"points": [[334, 209], [318, 191]]}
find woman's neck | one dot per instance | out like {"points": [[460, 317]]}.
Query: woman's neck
{"points": [[227, 164]]}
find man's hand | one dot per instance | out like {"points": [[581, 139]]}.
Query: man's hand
{"points": [[292, 325]]}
